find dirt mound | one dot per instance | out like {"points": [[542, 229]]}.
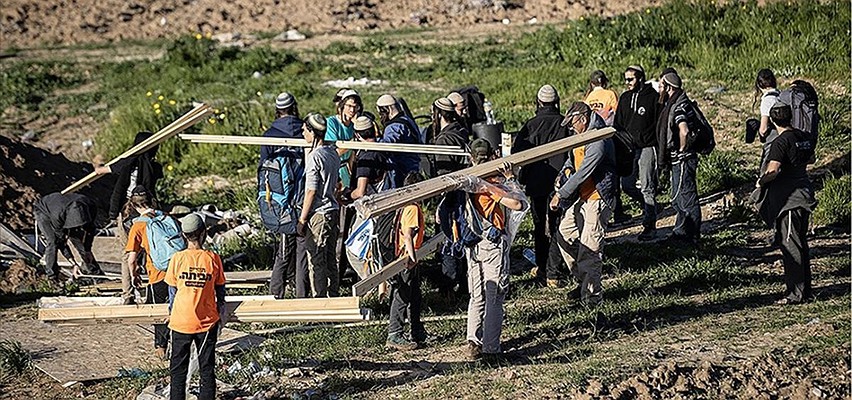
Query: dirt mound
{"points": [[24, 23], [28, 172], [18, 278], [774, 376]]}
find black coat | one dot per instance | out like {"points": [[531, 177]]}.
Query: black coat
{"points": [[637, 115], [454, 134], [149, 172], [544, 128]]}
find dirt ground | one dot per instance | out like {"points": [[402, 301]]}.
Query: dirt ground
{"points": [[26, 23]]}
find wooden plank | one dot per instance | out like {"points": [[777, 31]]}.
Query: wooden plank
{"points": [[249, 310], [349, 145], [380, 203], [248, 276], [370, 282], [187, 120]]}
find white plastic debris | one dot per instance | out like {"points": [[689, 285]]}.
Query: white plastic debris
{"points": [[351, 82]]}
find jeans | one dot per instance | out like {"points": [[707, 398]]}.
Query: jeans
{"points": [[545, 224], [488, 281], [581, 240], [645, 170], [205, 343], [158, 293], [320, 243], [406, 297], [685, 199], [289, 256], [791, 229]]}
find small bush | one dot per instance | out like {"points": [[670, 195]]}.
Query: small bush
{"points": [[13, 359], [834, 202], [719, 171]]}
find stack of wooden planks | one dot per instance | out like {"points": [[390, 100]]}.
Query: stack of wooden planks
{"points": [[349, 145], [240, 308], [197, 114]]}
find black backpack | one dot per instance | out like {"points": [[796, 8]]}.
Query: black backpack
{"points": [[623, 144], [701, 138], [803, 99]]}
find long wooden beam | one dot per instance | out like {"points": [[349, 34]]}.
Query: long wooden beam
{"points": [[380, 203], [198, 113], [341, 309], [370, 282], [349, 145]]}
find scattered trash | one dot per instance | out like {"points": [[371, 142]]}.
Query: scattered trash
{"points": [[506, 21], [294, 372], [532, 21], [716, 90], [235, 368], [291, 35], [87, 144], [351, 82], [257, 75], [29, 135], [132, 373], [163, 21], [529, 255]]}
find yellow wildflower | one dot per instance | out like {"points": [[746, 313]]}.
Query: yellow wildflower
{"points": [[149, 94], [156, 106], [157, 112], [172, 102], [160, 97], [170, 167], [197, 36]]}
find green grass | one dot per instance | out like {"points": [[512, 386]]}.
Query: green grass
{"points": [[14, 360], [833, 206]]}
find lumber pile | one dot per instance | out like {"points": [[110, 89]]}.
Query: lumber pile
{"points": [[240, 309], [197, 114], [380, 203], [343, 144]]}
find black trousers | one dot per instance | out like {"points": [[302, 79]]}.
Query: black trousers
{"points": [[406, 296], [791, 229], [205, 343], [158, 293], [545, 226], [290, 259], [685, 199]]}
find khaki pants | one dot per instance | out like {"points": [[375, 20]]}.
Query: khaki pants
{"points": [[581, 240], [322, 261], [488, 281], [127, 289]]}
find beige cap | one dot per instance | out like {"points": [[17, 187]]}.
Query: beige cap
{"points": [[444, 104], [191, 223], [456, 98], [547, 94], [316, 121], [385, 100], [363, 123]]}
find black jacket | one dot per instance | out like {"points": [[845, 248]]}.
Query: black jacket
{"points": [[57, 213], [289, 127], [454, 134], [544, 128], [637, 115], [149, 172]]}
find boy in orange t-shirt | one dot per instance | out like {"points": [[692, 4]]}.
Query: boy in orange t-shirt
{"points": [[600, 98], [197, 309], [405, 287], [157, 292]]}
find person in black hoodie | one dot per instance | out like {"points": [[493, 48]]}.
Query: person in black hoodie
{"points": [[545, 127], [450, 132], [141, 170], [290, 266], [637, 115], [62, 219]]}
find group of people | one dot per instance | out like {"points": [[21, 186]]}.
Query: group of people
{"points": [[572, 196]]}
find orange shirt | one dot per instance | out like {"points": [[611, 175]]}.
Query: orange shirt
{"points": [[195, 274], [604, 102], [137, 240], [412, 217], [488, 205], [587, 188]]}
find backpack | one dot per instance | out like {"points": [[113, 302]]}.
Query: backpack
{"points": [[474, 99], [803, 99], [462, 225], [701, 138], [280, 190], [164, 238], [623, 153]]}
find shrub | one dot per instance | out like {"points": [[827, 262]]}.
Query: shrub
{"points": [[834, 202], [721, 170], [14, 359]]}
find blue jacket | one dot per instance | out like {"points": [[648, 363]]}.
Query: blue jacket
{"points": [[598, 164], [402, 129], [289, 127]]}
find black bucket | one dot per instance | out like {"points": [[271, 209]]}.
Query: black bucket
{"points": [[493, 133]]}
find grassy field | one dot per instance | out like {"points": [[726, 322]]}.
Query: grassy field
{"points": [[663, 305]]}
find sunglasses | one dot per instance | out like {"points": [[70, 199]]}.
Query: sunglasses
{"points": [[628, 80]]}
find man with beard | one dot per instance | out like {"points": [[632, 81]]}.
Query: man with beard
{"points": [[538, 178], [672, 132], [637, 115], [399, 128]]}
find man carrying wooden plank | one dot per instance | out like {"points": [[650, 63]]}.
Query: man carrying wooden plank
{"points": [[319, 219], [196, 309], [586, 190], [62, 219], [480, 223], [280, 190]]}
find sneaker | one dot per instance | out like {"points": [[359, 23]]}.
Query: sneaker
{"points": [[555, 284], [397, 342], [474, 351], [533, 272], [648, 234], [419, 337]]}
